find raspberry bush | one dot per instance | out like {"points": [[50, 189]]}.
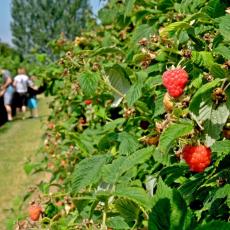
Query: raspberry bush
{"points": [[118, 157]]}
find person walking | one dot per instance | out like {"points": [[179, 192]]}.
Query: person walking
{"points": [[7, 91], [32, 102], [21, 82]]}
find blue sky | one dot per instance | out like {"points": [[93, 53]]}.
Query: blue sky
{"points": [[5, 18]]}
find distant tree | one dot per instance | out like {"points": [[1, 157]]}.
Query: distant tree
{"points": [[36, 23]]}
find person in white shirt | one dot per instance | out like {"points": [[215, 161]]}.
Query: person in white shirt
{"points": [[21, 82]]}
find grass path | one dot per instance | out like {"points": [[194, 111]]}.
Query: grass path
{"points": [[19, 140]]}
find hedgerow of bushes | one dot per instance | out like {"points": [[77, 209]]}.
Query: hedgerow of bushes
{"points": [[113, 148]]}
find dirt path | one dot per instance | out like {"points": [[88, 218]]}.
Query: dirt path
{"points": [[19, 140]]}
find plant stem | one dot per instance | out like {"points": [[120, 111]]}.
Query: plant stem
{"points": [[103, 226]]}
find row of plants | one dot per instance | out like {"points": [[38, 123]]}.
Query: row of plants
{"points": [[138, 135]]}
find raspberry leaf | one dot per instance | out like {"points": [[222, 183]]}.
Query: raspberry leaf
{"points": [[113, 171], [89, 82], [117, 222], [119, 80], [213, 225], [169, 210], [200, 95], [214, 124], [134, 93], [221, 147], [135, 194], [87, 172], [173, 132]]}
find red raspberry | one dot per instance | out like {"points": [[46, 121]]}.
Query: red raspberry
{"points": [[35, 211], [88, 102], [197, 157], [175, 81]]}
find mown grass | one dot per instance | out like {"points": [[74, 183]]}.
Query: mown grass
{"points": [[19, 140]]}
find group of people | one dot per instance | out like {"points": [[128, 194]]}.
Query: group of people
{"points": [[19, 91]]}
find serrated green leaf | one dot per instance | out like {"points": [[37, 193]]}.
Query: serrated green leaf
{"points": [[113, 124], [224, 26], [107, 141], [128, 7], [117, 222], [173, 172], [199, 43], [214, 8], [142, 31], [119, 80], [155, 68], [141, 76], [173, 132], [174, 27], [127, 209], [134, 93], [128, 143], [215, 122], [202, 58], [190, 186], [83, 142], [89, 83], [161, 157], [159, 109], [138, 195], [112, 172], [220, 193], [194, 106], [154, 81], [213, 225], [216, 71], [223, 50], [87, 172], [197, 82], [221, 147], [137, 58], [107, 50], [169, 209]]}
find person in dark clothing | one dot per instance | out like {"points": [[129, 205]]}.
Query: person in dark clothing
{"points": [[33, 91], [32, 102]]}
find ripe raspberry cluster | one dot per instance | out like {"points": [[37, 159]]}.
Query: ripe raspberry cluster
{"points": [[175, 80], [197, 157]]}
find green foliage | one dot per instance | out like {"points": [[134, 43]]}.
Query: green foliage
{"points": [[224, 27], [117, 222], [216, 118], [117, 149], [87, 173], [113, 172], [119, 81], [89, 82], [214, 225], [169, 210], [173, 132], [127, 209], [135, 194]]}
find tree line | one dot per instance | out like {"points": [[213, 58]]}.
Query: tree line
{"points": [[36, 23]]}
